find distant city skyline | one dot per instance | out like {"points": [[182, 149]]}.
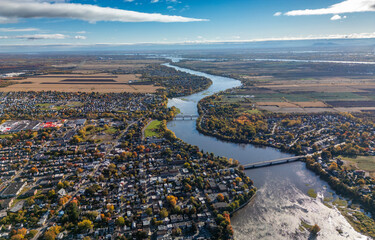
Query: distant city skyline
{"points": [[92, 22]]}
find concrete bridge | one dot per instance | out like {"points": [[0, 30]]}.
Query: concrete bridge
{"points": [[186, 117], [273, 162]]}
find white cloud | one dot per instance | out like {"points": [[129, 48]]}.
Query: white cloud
{"points": [[18, 29], [40, 36], [347, 6], [80, 37], [337, 17], [311, 37], [277, 14], [201, 41], [154, 1], [13, 9], [56, 36]]}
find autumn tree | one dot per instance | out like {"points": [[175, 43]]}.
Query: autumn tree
{"points": [[120, 221], [164, 213], [172, 200], [220, 197], [315, 229], [85, 225]]}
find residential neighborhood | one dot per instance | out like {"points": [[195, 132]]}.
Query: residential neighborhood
{"points": [[72, 178]]}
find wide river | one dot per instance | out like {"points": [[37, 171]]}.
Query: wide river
{"points": [[281, 201]]}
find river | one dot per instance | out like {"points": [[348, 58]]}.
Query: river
{"points": [[281, 201]]}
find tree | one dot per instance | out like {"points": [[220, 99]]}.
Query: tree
{"points": [[176, 232], [188, 187], [333, 166], [51, 193], [64, 200], [73, 212], [172, 200], [220, 197], [110, 208], [85, 225], [120, 221], [32, 233], [33, 170], [149, 211], [361, 181], [315, 229], [51, 233], [22, 231], [164, 213], [326, 155], [17, 237]]}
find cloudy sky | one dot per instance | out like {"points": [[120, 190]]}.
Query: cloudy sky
{"points": [[81, 22]]}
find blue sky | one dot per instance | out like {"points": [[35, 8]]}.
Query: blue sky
{"points": [[38, 22]]}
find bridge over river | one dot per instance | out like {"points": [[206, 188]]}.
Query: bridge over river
{"points": [[273, 162], [186, 117]]}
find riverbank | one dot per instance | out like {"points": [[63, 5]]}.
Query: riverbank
{"points": [[258, 142], [243, 205], [367, 227], [281, 190]]}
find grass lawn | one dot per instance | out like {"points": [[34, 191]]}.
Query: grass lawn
{"points": [[44, 106], [366, 163], [111, 130], [5, 135], [253, 111], [152, 129]]}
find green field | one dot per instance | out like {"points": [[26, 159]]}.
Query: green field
{"points": [[5, 135], [111, 130], [336, 96], [152, 129], [366, 163]]}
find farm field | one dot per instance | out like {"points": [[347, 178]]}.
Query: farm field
{"points": [[104, 83], [288, 87]]}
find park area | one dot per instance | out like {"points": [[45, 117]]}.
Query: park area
{"points": [[365, 163], [152, 129]]}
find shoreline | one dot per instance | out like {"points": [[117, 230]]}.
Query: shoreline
{"points": [[262, 144], [243, 205], [339, 188]]}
